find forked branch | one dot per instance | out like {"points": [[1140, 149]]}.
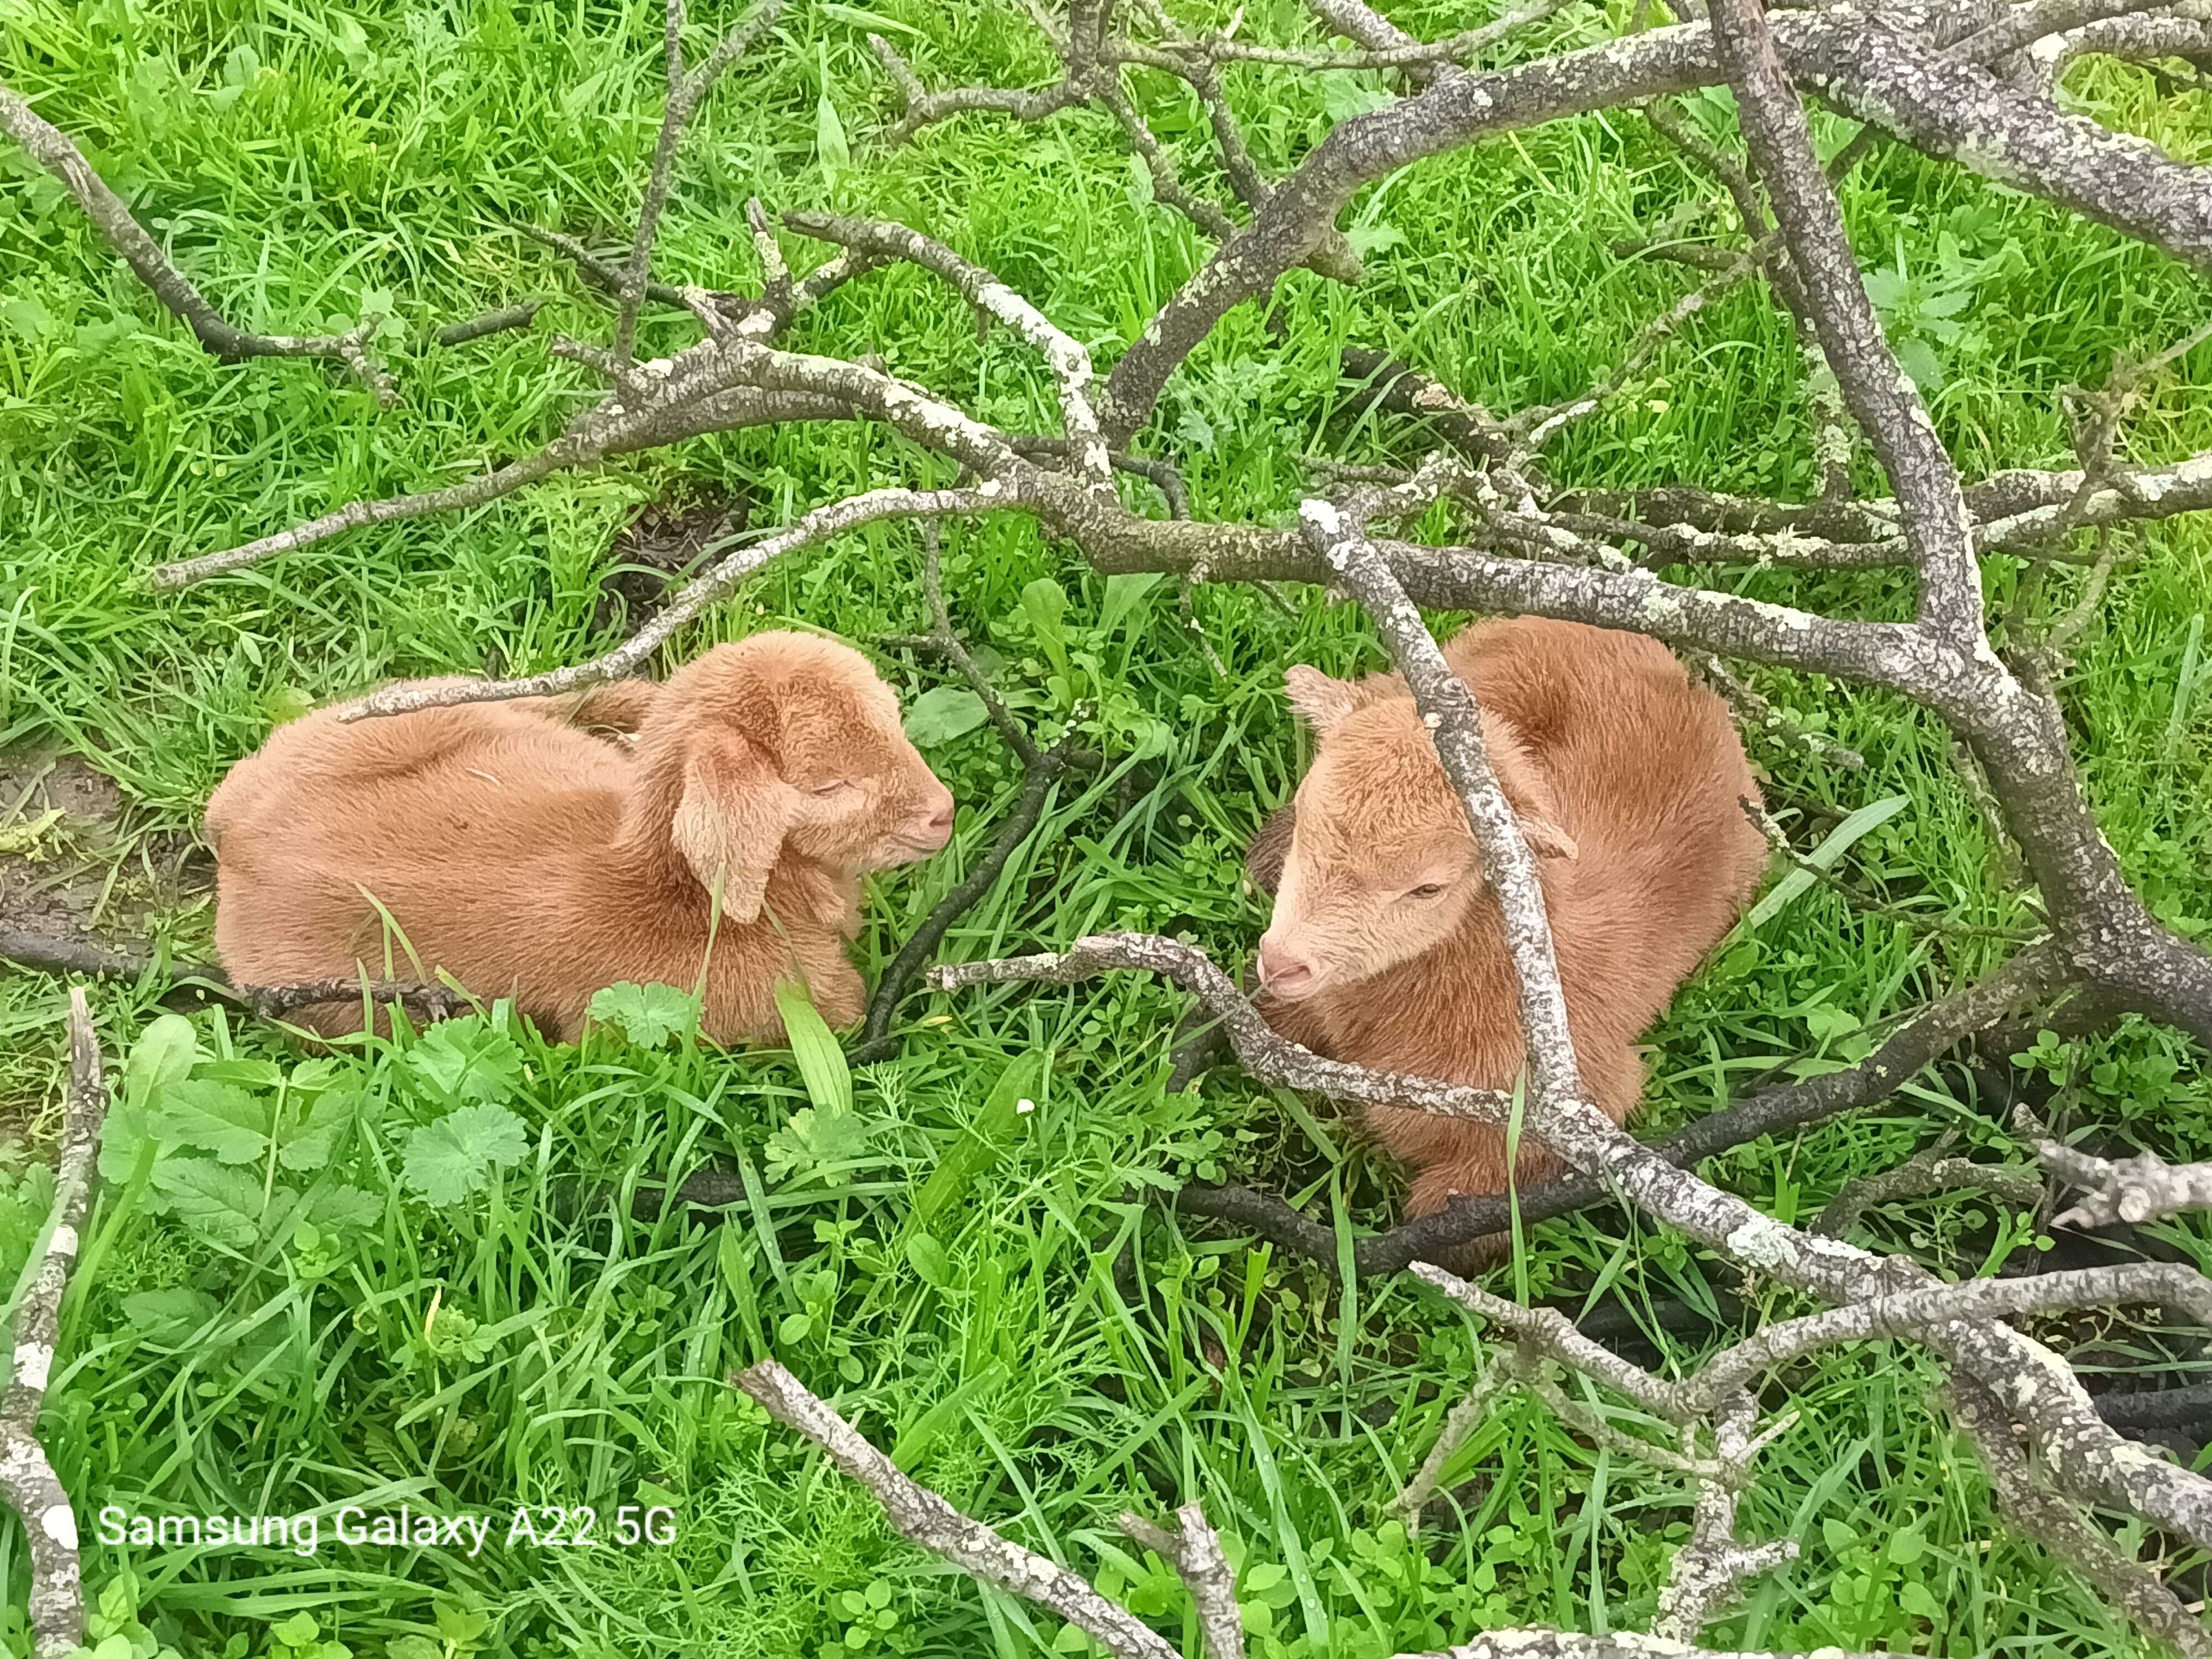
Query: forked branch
{"points": [[52, 149]]}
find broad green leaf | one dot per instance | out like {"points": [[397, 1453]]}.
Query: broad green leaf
{"points": [[983, 1142], [868, 20], [169, 1315], [1122, 593], [315, 1142], [26, 317], [648, 1015], [942, 714], [465, 1059], [447, 1160], [1044, 602], [830, 147], [1919, 359], [344, 1209], [460, 1624], [163, 1053], [132, 1125], [259, 1075], [812, 1138], [1348, 93], [221, 1203], [215, 1117], [821, 1061], [931, 1261], [1838, 841], [1887, 288]]}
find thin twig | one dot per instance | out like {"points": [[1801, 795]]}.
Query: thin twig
{"points": [[685, 92]]}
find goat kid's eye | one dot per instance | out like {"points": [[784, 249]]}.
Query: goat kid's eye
{"points": [[1427, 889], [825, 790]]}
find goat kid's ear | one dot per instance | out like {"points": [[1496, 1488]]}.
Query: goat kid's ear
{"points": [[1537, 812], [1318, 700], [731, 823], [1547, 840]]}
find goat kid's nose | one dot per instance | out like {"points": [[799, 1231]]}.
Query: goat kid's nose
{"points": [[940, 819], [1281, 968]]}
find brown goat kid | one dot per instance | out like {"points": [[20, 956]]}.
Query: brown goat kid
{"points": [[505, 845], [1387, 947]]}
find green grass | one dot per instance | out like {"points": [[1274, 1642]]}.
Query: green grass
{"points": [[305, 164]]}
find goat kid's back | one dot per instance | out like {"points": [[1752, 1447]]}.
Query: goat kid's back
{"points": [[523, 856]]}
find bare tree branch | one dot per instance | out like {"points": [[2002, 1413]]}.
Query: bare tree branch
{"points": [[1041, 769], [1923, 1173], [1194, 1550], [2144, 1188], [921, 1516], [26, 1477], [708, 588], [52, 149], [2056, 1524], [685, 92], [1709, 1570]]}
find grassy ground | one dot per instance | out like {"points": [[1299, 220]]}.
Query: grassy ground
{"points": [[369, 1279]]}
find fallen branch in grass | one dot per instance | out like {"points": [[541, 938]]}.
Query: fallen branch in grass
{"points": [[55, 1607], [685, 92], [2061, 1528], [923, 1518], [1923, 1173], [2033, 973], [52, 149], [2144, 1188], [1193, 1549], [272, 1002], [492, 322]]}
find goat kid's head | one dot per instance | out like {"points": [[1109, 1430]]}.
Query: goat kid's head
{"points": [[791, 745], [1383, 867]]}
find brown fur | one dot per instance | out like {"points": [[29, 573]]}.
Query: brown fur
{"points": [[526, 857], [1627, 779]]}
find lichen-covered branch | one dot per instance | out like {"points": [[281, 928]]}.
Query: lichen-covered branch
{"points": [[1924, 1173], [2137, 1189], [52, 149], [1194, 1550], [26, 1477], [923, 1518], [706, 589], [1710, 1569], [2060, 1528], [1925, 1037], [685, 92]]}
